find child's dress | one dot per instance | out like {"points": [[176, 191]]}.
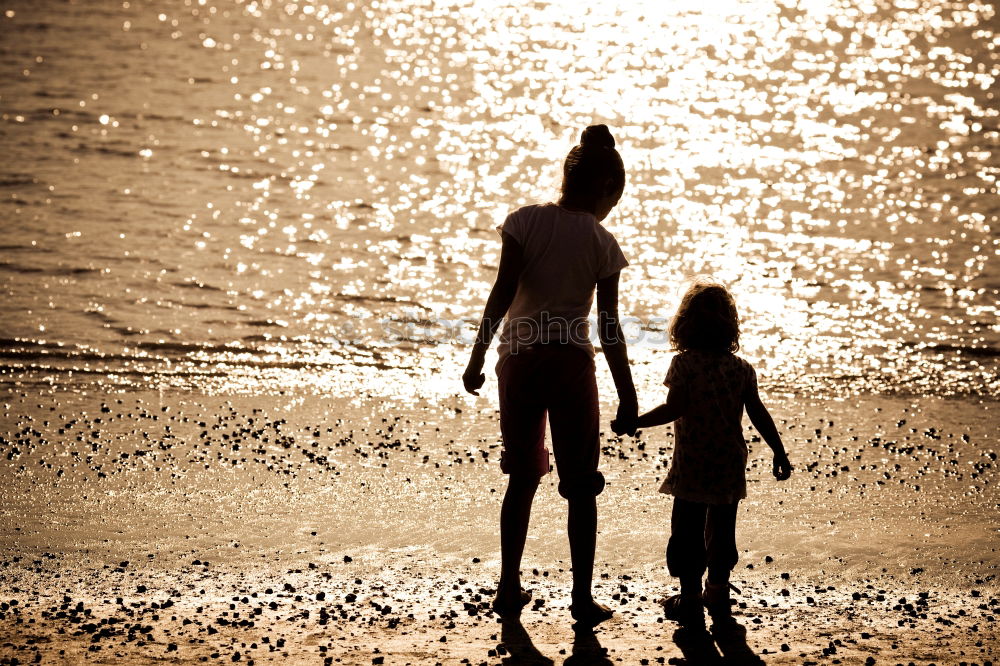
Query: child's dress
{"points": [[710, 454]]}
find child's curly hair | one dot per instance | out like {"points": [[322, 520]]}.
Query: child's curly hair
{"points": [[706, 320]]}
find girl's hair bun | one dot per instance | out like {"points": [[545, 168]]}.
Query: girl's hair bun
{"points": [[597, 136], [592, 168]]}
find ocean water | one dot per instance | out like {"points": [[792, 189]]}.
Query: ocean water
{"points": [[248, 196]]}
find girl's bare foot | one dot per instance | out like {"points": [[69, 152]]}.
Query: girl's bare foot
{"points": [[510, 604], [589, 613]]}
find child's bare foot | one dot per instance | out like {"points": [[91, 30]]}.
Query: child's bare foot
{"points": [[686, 610], [510, 604], [589, 613], [716, 598]]}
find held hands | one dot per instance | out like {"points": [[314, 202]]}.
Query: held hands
{"points": [[781, 467], [473, 378], [626, 421], [620, 427]]}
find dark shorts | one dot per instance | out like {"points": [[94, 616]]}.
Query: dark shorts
{"points": [[555, 380]]}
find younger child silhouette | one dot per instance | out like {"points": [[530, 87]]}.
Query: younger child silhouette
{"points": [[709, 388]]}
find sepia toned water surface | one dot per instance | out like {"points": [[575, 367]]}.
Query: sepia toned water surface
{"points": [[251, 195]]}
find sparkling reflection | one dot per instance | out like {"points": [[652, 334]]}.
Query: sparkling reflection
{"points": [[260, 195]]}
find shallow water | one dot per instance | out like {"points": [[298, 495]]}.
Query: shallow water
{"points": [[249, 196]]}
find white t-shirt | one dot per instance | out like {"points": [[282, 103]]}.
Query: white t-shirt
{"points": [[564, 254]]}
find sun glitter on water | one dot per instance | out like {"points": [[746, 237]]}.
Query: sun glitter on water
{"points": [[308, 192]]}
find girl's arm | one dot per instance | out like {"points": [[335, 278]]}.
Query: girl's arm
{"points": [[609, 330], [501, 296], [762, 421]]}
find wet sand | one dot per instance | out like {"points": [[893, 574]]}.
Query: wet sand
{"points": [[143, 527]]}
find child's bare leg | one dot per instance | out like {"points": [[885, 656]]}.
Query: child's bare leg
{"points": [[686, 552], [720, 542], [515, 514], [686, 561]]}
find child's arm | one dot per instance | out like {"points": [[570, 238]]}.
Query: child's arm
{"points": [[669, 411], [762, 421], [501, 296]]}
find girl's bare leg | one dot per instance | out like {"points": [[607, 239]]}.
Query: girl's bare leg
{"points": [[515, 514], [582, 529]]}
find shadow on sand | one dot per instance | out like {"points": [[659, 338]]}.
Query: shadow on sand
{"points": [[725, 644], [587, 650], [518, 644]]}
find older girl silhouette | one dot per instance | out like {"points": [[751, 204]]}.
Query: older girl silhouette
{"points": [[554, 257]]}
